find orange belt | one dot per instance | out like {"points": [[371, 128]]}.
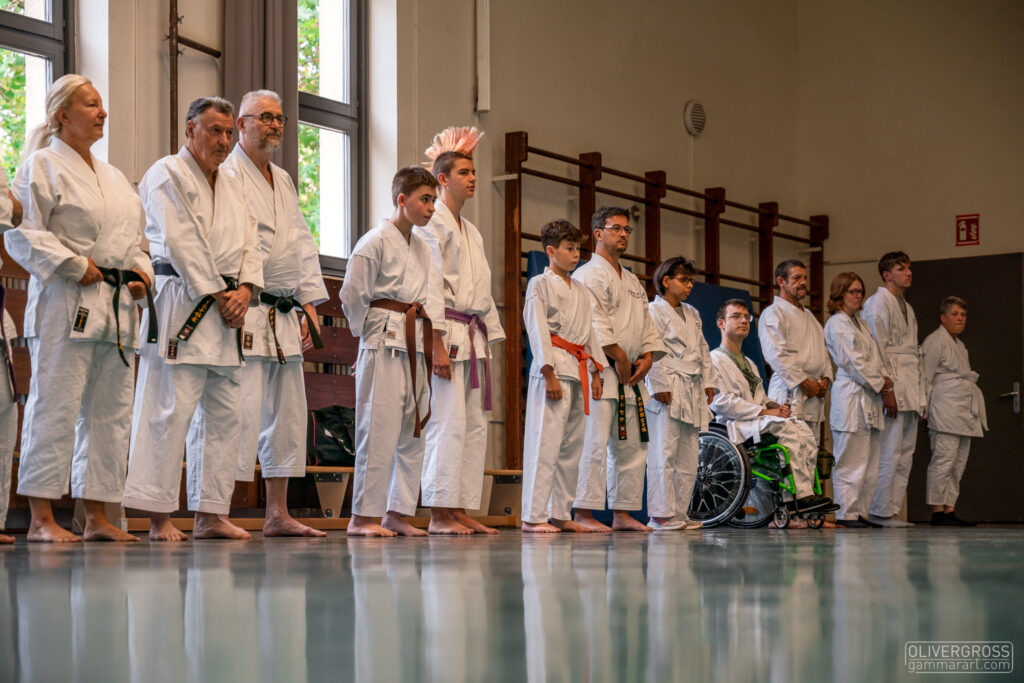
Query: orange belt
{"points": [[582, 356], [413, 311]]}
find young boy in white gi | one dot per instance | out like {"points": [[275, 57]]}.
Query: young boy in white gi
{"points": [[681, 385], [556, 313], [10, 217], [894, 326], [956, 410], [389, 275]]}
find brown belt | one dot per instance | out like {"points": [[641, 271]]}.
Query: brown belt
{"points": [[413, 311]]}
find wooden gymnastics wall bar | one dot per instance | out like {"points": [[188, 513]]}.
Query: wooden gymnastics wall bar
{"points": [[174, 40], [655, 190]]}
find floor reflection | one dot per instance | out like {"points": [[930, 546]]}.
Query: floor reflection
{"points": [[722, 605]]}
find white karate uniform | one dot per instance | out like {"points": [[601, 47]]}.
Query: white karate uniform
{"points": [[684, 371], [956, 413], [855, 414], [274, 395], [897, 340], [453, 465], [389, 458], [8, 401], [76, 423], [618, 307], [553, 437], [793, 343], [203, 234], [739, 410]]}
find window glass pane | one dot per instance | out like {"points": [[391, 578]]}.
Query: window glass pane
{"points": [[325, 182], [324, 48], [35, 9], [22, 95]]}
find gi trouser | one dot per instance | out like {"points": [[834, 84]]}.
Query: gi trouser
{"points": [[855, 475], [178, 403], [273, 419], [77, 420], [8, 434], [949, 458], [389, 458], [453, 464], [899, 436], [671, 464], [800, 440], [552, 444], [608, 464]]}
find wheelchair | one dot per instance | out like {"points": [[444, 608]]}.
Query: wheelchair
{"points": [[743, 485]]}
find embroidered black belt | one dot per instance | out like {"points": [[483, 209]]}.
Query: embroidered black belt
{"points": [[203, 307], [118, 278], [286, 304], [8, 361], [641, 414]]}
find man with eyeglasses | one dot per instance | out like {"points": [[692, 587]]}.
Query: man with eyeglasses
{"points": [[284, 323], [615, 441], [742, 406]]}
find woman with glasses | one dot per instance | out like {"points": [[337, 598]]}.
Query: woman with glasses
{"points": [[856, 412]]}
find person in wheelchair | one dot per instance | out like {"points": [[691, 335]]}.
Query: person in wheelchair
{"points": [[748, 415]]}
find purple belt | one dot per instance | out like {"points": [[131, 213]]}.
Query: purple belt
{"points": [[475, 323], [7, 348]]}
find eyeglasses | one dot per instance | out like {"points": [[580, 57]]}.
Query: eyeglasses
{"points": [[268, 119], [628, 230], [684, 279], [740, 317], [855, 292]]}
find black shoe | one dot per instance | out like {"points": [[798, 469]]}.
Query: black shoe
{"points": [[943, 519], [850, 524], [951, 516], [809, 503], [869, 523]]}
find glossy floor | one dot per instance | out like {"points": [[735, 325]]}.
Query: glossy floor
{"points": [[723, 605]]}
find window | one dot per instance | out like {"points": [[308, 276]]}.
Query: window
{"points": [[330, 144], [34, 50]]}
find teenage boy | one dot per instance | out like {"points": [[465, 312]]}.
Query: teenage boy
{"points": [[386, 286], [556, 313]]}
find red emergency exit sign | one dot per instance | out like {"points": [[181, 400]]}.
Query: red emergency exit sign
{"points": [[968, 229]]}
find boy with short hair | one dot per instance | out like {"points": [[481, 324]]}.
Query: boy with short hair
{"points": [[556, 313], [389, 275], [681, 386]]}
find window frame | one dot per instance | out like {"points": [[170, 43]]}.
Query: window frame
{"points": [[348, 118], [52, 40]]}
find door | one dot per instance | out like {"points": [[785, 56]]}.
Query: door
{"points": [[992, 488]]}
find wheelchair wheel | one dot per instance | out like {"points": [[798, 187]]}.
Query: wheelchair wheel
{"points": [[815, 520], [758, 507], [781, 517], [723, 478]]}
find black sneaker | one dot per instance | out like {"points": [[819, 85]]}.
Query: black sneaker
{"points": [[809, 503], [951, 516], [850, 524], [869, 523], [943, 519]]}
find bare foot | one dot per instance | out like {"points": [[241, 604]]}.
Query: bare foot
{"points": [[622, 521], [286, 525], [465, 520], [442, 522], [105, 531], [213, 526], [365, 526], [6, 539], [49, 531], [161, 529], [393, 521], [585, 519], [575, 527], [828, 525], [796, 523], [542, 528]]}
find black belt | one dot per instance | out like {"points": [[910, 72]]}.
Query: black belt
{"points": [[286, 304], [9, 362], [641, 414], [118, 278], [203, 307]]}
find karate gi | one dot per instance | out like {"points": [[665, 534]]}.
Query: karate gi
{"points": [[956, 413], [204, 234], [897, 340], [389, 459], [855, 414], [8, 401], [553, 437], [456, 443], [618, 306], [793, 343], [77, 418], [739, 410], [274, 394], [685, 371]]}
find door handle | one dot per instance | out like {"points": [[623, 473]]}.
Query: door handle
{"points": [[1015, 395]]}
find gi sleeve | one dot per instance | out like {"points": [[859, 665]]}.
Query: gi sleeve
{"points": [[840, 339], [658, 380], [877, 318], [933, 356], [535, 319], [598, 308], [311, 281], [6, 205], [357, 288], [728, 403], [784, 359], [435, 292], [652, 337], [251, 270]]}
